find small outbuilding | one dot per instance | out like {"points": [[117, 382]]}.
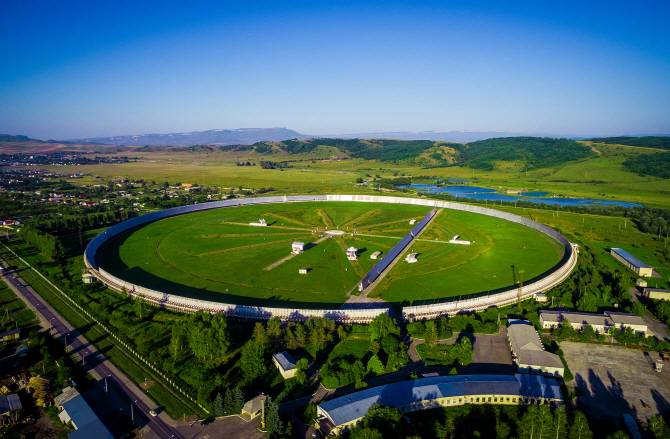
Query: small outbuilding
{"points": [[303, 270], [375, 255], [253, 407], [352, 253], [11, 335], [88, 279], [539, 297], [9, 406], [412, 222], [641, 283], [285, 363], [297, 247], [411, 258]]}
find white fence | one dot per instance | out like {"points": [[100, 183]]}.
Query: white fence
{"points": [[346, 316]]}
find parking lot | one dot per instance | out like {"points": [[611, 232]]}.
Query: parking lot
{"points": [[617, 380]]}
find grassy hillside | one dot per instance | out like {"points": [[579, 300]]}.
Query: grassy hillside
{"points": [[657, 165], [659, 142], [534, 152]]}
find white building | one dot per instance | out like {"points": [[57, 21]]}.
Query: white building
{"points": [[297, 247], [352, 253], [285, 363], [261, 223], [411, 258]]}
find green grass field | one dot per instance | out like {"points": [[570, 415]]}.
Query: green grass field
{"points": [[216, 255]]}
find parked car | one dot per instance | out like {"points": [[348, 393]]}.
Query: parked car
{"points": [[153, 413]]}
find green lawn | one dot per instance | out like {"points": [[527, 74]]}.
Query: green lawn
{"points": [[437, 355], [203, 255], [13, 311]]}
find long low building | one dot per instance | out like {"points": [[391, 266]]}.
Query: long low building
{"points": [[633, 263], [528, 351], [656, 293], [601, 322], [344, 412]]}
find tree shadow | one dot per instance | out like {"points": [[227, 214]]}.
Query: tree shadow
{"points": [[601, 399]]}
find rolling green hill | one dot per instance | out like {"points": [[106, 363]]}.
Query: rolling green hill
{"points": [[535, 152], [659, 142], [657, 165]]}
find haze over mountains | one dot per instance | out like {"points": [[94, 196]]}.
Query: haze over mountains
{"points": [[249, 136]]}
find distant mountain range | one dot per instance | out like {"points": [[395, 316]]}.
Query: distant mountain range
{"points": [[249, 136], [241, 136]]}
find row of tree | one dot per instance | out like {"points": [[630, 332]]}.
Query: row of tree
{"points": [[43, 242]]}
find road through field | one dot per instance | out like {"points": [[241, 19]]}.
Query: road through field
{"points": [[94, 361]]}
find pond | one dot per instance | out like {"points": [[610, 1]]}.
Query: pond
{"points": [[482, 193]]}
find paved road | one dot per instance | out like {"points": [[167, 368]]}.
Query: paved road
{"points": [[94, 360]]}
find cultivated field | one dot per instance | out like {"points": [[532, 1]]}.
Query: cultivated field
{"points": [[216, 255]]}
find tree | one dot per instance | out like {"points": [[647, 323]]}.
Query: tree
{"points": [[565, 331], [218, 405], [140, 306], [301, 374], [238, 400], [618, 435], [228, 403], [382, 325], [390, 344], [359, 374], [613, 332], [560, 426], [580, 427], [589, 333], [588, 303], [273, 424], [431, 336], [260, 335], [375, 365], [252, 361], [462, 352], [638, 309], [536, 423], [453, 371]]}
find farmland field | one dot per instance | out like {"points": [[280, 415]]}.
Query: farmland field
{"points": [[216, 255]]}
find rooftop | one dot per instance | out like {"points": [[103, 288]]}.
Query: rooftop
{"points": [[576, 317], [523, 336], [626, 318], [9, 403], [254, 405], [630, 258], [87, 423], [657, 290], [355, 405], [285, 360], [540, 358], [12, 332]]}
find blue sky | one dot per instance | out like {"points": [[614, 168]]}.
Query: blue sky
{"points": [[74, 69]]}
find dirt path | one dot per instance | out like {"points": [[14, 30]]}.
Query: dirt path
{"points": [[355, 264], [363, 217], [326, 219], [289, 257]]}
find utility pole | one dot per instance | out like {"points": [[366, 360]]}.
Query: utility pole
{"points": [[521, 272], [132, 413]]}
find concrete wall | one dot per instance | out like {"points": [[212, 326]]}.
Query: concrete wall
{"points": [[346, 316]]}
